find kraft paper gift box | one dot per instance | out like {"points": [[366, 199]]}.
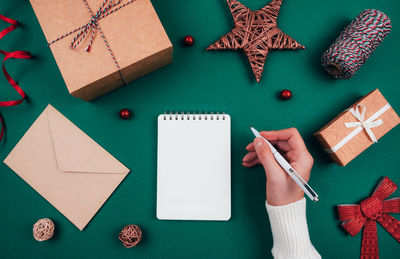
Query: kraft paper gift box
{"points": [[64, 165], [357, 128], [134, 35]]}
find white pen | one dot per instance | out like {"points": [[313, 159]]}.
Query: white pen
{"points": [[289, 169]]}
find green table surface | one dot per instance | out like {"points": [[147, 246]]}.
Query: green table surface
{"points": [[198, 80]]}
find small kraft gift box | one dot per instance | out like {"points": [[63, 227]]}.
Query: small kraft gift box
{"points": [[100, 45], [357, 128]]}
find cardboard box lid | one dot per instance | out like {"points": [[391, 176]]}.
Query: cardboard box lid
{"points": [[134, 32]]}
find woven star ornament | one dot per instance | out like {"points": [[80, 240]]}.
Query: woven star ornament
{"points": [[256, 33]]}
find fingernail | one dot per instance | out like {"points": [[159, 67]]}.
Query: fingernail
{"points": [[258, 142]]}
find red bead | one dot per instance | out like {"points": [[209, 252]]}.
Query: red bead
{"points": [[286, 94], [188, 41], [125, 114]]}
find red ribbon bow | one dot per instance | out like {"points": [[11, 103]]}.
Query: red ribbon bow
{"points": [[19, 54], [366, 214]]}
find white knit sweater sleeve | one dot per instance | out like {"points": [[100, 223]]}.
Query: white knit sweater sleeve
{"points": [[290, 231]]}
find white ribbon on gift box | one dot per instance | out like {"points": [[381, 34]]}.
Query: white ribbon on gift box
{"points": [[361, 124]]}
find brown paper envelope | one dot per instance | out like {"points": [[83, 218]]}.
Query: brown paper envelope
{"points": [[64, 165]]}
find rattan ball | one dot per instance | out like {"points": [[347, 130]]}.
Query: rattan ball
{"points": [[130, 235], [43, 229]]}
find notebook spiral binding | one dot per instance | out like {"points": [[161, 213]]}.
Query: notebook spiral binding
{"points": [[193, 116]]}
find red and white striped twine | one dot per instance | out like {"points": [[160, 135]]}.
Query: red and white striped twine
{"points": [[106, 8], [356, 43]]}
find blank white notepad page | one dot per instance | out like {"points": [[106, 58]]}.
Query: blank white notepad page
{"points": [[194, 167]]}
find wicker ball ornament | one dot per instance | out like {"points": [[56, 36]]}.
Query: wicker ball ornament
{"points": [[130, 236], [43, 229]]}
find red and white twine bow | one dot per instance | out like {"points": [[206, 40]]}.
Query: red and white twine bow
{"points": [[371, 210], [19, 54], [106, 8]]}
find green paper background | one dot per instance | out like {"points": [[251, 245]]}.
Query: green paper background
{"points": [[198, 80]]}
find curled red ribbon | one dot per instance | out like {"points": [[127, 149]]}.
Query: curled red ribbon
{"points": [[19, 54], [371, 210]]}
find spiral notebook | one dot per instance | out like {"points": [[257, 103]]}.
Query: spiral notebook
{"points": [[194, 167]]}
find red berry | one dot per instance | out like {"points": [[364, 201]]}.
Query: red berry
{"points": [[286, 94], [188, 41], [125, 114]]}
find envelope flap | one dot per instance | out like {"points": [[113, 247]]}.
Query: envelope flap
{"points": [[77, 152]]}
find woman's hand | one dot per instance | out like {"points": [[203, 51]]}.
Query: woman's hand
{"points": [[281, 189]]}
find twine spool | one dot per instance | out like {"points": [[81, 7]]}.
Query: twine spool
{"points": [[43, 229], [130, 236], [356, 43]]}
